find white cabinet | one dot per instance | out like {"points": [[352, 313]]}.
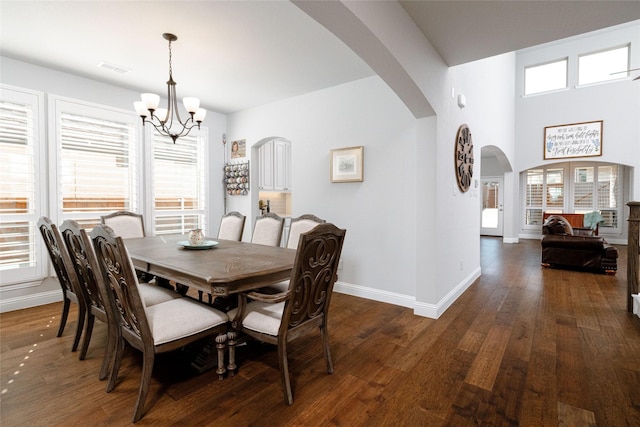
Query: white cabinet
{"points": [[274, 159]]}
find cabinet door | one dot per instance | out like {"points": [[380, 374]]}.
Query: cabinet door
{"points": [[281, 166], [265, 157]]}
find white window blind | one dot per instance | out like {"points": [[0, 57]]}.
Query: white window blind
{"points": [[21, 248], [97, 169], [179, 183], [594, 187]]}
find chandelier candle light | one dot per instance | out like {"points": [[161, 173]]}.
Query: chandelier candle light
{"points": [[167, 120]]}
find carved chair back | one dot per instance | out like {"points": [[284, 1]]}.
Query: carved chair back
{"points": [[122, 285], [314, 273]]}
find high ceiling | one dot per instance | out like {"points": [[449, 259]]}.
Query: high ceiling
{"points": [[239, 54]]}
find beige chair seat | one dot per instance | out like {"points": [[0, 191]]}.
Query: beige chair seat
{"points": [[261, 317], [152, 294], [179, 318]]}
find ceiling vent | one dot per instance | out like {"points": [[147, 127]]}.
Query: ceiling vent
{"points": [[113, 67]]}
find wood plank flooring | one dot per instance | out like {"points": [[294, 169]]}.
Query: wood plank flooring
{"points": [[522, 346]]}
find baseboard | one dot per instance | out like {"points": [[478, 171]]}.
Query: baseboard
{"points": [[432, 311], [28, 301], [375, 294], [510, 240]]}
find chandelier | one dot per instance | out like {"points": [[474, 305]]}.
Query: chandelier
{"points": [[167, 120]]}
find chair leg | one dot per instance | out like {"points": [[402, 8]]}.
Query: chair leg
{"points": [[284, 372], [147, 369], [88, 330], [82, 314], [117, 360], [64, 315], [108, 352], [327, 351]]}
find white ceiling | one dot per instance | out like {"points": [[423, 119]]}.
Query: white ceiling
{"points": [[238, 54]]}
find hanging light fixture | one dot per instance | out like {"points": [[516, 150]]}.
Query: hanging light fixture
{"points": [[167, 120]]}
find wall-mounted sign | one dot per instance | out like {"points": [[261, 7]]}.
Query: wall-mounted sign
{"points": [[573, 140]]}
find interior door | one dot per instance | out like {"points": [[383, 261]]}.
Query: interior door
{"points": [[492, 207]]}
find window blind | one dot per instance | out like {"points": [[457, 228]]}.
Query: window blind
{"points": [[97, 169], [179, 174], [20, 244]]}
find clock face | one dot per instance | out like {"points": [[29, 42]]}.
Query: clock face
{"points": [[464, 158]]}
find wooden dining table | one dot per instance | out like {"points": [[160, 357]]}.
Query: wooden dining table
{"points": [[223, 269], [226, 268]]}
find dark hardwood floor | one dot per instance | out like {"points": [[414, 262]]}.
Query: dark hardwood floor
{"points": [[522, 346]]}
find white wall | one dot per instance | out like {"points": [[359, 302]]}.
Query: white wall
{"points": [[377, 212], [616, 103], [407, 238], [53, 82]]}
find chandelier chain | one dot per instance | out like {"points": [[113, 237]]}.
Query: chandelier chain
{"points": [[170, 66]]}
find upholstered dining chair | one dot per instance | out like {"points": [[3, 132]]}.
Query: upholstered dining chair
{"points": [[280, 318], [94, 291], [267, 230], [156, 329], [232, 226], [66, 276], [300, 225], [125, 224]]}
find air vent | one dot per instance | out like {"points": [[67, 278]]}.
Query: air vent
{"points": [[113, 67]]}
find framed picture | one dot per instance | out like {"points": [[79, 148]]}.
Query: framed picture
{"points": [[347, 164], [238, 149], [573, 140]]}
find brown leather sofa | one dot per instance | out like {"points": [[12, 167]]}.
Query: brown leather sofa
{"points": [[564, 247]]}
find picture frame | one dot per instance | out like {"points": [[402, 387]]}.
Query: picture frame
{"points": [[347, 164], [238, 149], [573, 140]]}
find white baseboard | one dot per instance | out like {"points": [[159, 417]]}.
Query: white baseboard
{"points": [[28, 301], [510, 240], [432, 311], [375, 294]]}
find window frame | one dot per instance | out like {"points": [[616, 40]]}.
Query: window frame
{"points": [[564, 60], [569, 171], [31, 275], [57, 106], [149, 196], [601, 51]]}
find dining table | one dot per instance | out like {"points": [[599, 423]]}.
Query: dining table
{"points": [[218, 267]]}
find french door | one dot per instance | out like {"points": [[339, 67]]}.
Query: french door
{"points": [[492, 209]]}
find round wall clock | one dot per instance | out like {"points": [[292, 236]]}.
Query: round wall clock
{"points": [[464, 158]]}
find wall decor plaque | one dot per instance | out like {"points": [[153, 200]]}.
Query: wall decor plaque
{"points": [[573, 140]]}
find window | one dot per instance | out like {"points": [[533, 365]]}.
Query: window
{"points": [[179, 183], [22, 253], [97, 162], [545, 77], [603, 66], [594, 187]]}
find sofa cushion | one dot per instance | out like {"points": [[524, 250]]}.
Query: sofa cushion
{"points": [[585, 243]]}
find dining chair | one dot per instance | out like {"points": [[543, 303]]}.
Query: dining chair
{"points": [[300, 225], [267, 229], [66, 276], [155, 329], [94, 291], [125, 224], [232, 226], [280, 318]]}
